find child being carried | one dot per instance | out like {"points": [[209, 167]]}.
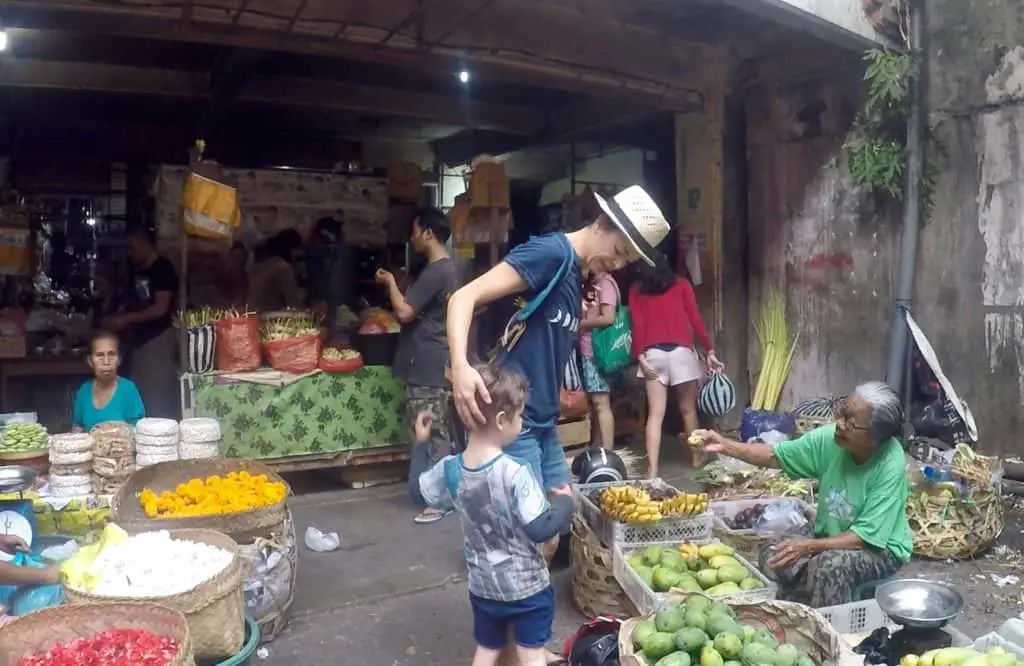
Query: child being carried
{"points": [[505, 517]]}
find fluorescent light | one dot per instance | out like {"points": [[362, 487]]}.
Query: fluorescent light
{"points": [[3, 40], [91, 221], [464, 76]]}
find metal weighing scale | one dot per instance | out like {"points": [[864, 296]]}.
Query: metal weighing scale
{"points": [[16, 515], [922, 608]]}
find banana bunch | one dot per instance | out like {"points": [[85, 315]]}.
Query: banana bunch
{"points": [[685, 505], [629, 504]]}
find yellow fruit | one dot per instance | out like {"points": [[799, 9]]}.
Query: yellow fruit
{"points": [[910, 660]]}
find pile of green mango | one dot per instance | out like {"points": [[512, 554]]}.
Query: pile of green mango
{"points": [[705, 632], [711, 568], [23, 437]]}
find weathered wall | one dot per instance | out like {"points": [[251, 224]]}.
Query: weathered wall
{"points": [[970, 278], [814, 235]]}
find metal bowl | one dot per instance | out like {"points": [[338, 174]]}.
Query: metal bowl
{"points": [[922, 604], [16, 478]]}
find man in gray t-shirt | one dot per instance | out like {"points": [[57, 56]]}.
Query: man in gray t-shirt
{"points": [[422, 354]]}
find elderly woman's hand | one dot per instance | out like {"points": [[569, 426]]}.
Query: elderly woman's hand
{"points": [[708, 440], [789, 551]]}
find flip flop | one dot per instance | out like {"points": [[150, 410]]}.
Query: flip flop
{"points": [[430, 518]]}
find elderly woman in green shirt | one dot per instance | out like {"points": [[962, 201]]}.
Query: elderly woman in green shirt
{"points": [[861, 532]]}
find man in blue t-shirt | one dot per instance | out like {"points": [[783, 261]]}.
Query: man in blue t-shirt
{"points": [[551, 267]]}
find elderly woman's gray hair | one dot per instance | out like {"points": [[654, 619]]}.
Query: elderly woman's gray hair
{"points": [[886, 409]]}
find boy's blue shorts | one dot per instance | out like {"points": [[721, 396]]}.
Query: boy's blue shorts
{"points": [[530, 619]]}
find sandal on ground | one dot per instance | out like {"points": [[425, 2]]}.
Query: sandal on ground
{"points": [[430, 516]]}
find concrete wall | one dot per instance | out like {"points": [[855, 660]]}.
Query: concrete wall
{"points": [[970, 279], [816, 237]]}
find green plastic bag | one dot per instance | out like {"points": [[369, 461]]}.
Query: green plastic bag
{"points": [[612, 343]]}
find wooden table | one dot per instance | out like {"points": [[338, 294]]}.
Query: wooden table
{"points": [[39, 366]]}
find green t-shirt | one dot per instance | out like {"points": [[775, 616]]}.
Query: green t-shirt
{"points": [[866, 499]]}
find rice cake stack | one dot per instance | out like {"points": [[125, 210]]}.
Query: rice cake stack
{"points": [[70, 462], [113, 459], [199, 438], [156, 441]]}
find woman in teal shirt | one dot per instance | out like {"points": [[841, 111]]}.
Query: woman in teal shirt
{"points": [[106, 397], [861, 533]]}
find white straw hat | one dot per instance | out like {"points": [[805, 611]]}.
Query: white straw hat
{"points": [[636, 215]]}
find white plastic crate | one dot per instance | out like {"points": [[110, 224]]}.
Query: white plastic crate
{"points": [[648, 601], [609, 531], [857, 617], [995, 640]]}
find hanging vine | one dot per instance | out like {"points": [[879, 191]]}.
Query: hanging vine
{"points": [[876, 146]]}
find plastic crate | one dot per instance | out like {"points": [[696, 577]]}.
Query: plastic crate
{"points": [[857, 617], [678, 530], [648, 601], [995, 640]]}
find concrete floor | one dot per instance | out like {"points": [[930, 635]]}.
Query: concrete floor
{"points": [[394, 594]]}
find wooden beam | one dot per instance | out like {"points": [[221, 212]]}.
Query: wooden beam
{"points": [[589, 57], [280, 91]]}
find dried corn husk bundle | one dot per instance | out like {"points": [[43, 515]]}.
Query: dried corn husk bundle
{"points": [[190, 319]]}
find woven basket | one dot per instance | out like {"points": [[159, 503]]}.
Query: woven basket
{"points": [[789, 622], [243, 526], [37, 632], [956, 530], [594, 589], [215, 609], [805, 424], [283, 540]]}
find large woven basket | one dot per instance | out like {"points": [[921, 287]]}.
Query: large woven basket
{"points": [[215, 609], [243, 526], [37, 632], [789, 622], [957, 530], [594, 588]]}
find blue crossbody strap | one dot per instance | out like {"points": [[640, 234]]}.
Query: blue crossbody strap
{"points": [[538, 300]]}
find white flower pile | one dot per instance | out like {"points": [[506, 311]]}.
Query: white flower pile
{"points": [[152, 564]]}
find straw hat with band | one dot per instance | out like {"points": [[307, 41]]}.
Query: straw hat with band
{"points": [[635, 214]]}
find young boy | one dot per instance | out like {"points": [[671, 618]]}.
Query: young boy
{"points": [[505, 516]]}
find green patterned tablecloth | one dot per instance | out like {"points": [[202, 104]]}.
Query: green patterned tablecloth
{"points": [[318, 414]]}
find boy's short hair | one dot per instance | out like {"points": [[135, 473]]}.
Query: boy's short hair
{"points": [[435, 221], [507, 389]]}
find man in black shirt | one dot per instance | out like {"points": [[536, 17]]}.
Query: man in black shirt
{"points": [[422, 354], [148, 319]]}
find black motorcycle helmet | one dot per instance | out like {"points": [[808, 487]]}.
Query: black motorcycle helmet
{"points": [[599, 465], [595, 644]]}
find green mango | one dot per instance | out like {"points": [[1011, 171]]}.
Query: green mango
{"points": [[729, 645], [750, 583], [804, 660], [720, 623], [719, 607], [757, 654], [642, 631], [673, 560], [748, 634], [719, 561], [653, 555], [732, 574], [659, 645], [786, 655], [636, 560], [709, 657], [696, 619], [691, 639], [723, 589], [697, 602], [707, 578], [675, 659], [767, 638], [669, 621], [665, 579], [688, 583]]}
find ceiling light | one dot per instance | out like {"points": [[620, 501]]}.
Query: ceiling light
{"points": [[3, 40], [91, 221], [464, 77]]}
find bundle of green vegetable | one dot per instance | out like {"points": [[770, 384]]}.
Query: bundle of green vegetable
{"points": [[284, 328], [23, 438], [777, 349], [190, 319]]}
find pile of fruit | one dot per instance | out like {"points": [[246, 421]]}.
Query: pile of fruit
{"points": [[711, 568], [110, 648], [634, 505], [959, 656], [377, 321], [747, 518], [704, 632], [234, 493], [23, 438]]}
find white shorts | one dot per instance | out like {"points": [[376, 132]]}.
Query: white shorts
{"points": [[674, 367]]}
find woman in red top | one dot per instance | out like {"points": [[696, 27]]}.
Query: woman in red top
{"points": [[665, 321]]}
